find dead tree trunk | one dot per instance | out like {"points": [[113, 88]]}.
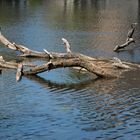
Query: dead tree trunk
{"points": [[101, 67]]}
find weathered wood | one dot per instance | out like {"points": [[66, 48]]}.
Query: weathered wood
{"points": [[128, 42], [19, 72], [129, 39], [26, 52], [104, 68], [22, 49], [101, 68], [5, 64], [66, 45]]}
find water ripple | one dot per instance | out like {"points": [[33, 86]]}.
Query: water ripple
{"points": [[65, 104]]}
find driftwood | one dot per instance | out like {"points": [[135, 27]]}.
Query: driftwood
{"points": [[128, 42], [129, 39], [101, 67]]}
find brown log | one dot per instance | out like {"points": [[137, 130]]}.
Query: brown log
{"points": [[101, 68]]}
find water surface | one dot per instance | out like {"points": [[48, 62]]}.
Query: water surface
{"points": [[65, 104]]}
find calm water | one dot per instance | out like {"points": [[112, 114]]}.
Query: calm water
{"points": [[64, 104]]}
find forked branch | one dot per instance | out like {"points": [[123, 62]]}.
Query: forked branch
{"points": [[129, 39], [103, 68]]}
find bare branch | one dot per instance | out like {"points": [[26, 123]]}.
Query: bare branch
{"points": [[129, 39], [66, 45], [105, 68], [48, 53]]}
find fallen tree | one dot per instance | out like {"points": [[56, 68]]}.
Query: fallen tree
{"points": [[104, 68]]}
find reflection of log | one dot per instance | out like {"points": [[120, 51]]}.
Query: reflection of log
{"points": [[57, 86], [70, 86], [101, 67]]}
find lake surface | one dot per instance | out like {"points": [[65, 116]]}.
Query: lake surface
{"points": [[64, 104]]}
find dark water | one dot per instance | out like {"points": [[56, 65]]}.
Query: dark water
{"points": [[64, 104]]}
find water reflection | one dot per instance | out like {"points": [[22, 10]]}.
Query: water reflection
{"points": [[11, 2], [75, 12], [92, 83], [17, 4], [99, 105], [101, 18]]}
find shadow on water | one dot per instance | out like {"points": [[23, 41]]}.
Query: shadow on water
{"points": [[54, 86]]}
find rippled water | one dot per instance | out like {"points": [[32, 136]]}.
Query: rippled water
{"points": [[64, 104]]}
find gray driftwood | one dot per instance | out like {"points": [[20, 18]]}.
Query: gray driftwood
{"points": [[104, 68], [129, 39]]}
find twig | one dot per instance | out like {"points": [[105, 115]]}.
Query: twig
{"points": [[48, 53]]}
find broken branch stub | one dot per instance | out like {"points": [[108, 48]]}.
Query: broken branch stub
{"points": [[19, 72], [26, 52], [66, 45]]}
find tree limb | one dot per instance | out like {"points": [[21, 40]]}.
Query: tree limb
{"points": [[66, 45], [104, 68], [129, 39], [128, 42]]}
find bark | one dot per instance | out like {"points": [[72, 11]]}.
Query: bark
{"points": [[26, 52], [5, 64], [103, 68]]}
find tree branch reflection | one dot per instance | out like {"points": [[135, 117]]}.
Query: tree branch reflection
{"points": [[101, 85]]}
